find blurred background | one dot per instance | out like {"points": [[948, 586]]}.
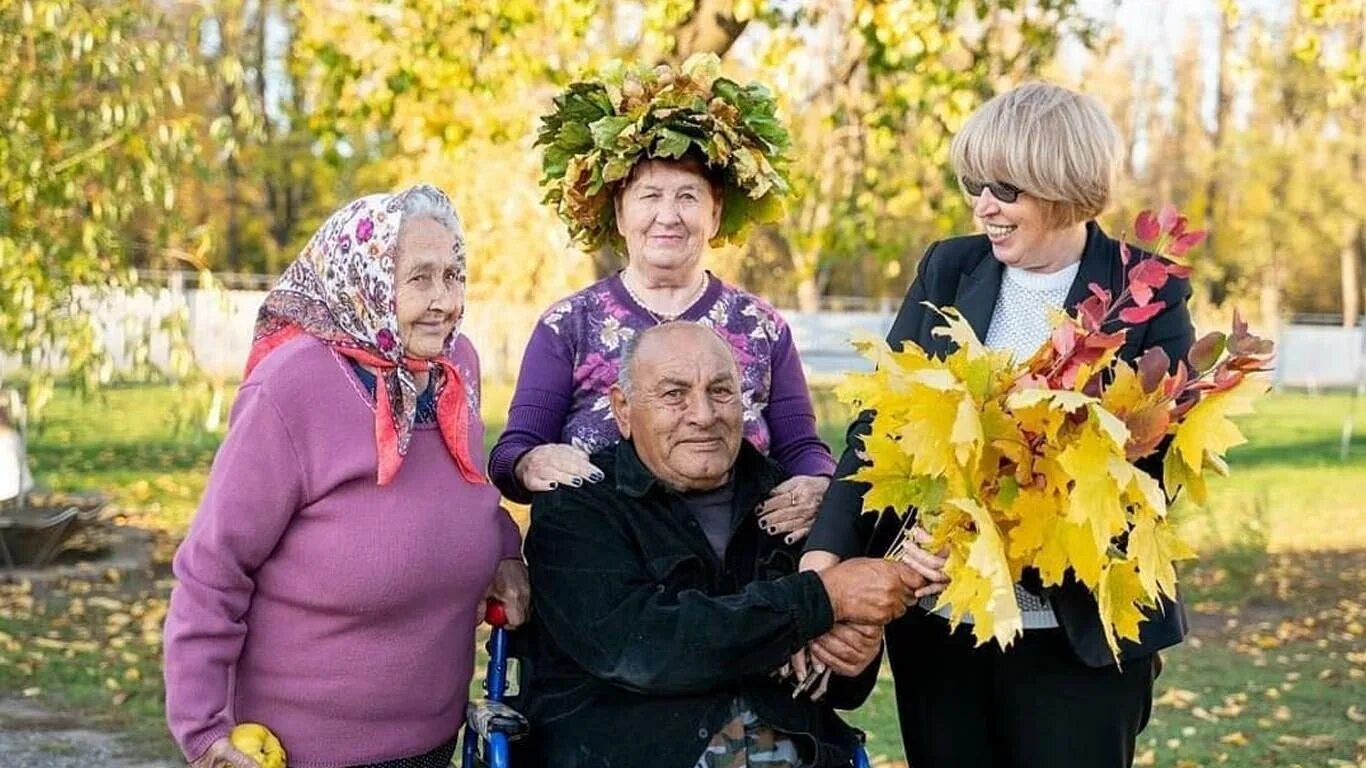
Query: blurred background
{"points": [[147, 139]]}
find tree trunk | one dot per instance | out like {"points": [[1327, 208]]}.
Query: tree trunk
{"points": [[1351, 257], [1222, 99], [711, 26], [808, 294]]}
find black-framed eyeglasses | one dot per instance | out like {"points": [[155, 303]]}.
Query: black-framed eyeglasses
{"points": [[1006, 193]]}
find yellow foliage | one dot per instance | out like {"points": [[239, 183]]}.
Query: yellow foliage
{"points": [[1206, 433], [982, 584], [1008, 475]]}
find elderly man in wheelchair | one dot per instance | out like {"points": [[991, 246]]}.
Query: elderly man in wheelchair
{"points": [[665, 621]]}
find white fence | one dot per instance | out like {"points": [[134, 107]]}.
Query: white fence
{"points": [[220, 324], [1321, 357]]}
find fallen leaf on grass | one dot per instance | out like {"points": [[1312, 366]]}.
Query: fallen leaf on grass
{"points": [[1236, 739], [1317, 741], [1177, 698], [1355, 715]]}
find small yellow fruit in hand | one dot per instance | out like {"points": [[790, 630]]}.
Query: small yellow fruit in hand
{"points": [[257, 742]]}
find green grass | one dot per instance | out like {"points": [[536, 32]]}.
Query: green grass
{"points": [[1276, 600]]}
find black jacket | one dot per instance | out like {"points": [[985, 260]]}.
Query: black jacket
{"points": [[961, 272], [641, 637]]}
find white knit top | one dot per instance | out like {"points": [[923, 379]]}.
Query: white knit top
{"points": [[1020, 324]]}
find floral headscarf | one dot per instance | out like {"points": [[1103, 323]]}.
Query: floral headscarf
{"points": [[340, 290]]}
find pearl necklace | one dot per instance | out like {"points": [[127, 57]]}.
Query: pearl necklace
{"points": [[660, 317]]}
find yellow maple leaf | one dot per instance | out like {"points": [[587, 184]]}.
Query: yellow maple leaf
{"points": [[980, 581], [1095, 494], [1073, 544], [1120, 596], [1176, 476], [1038, 513], [958, 330], [940, 430], [1154, 547], [1144, 490], [892, 482], [1207, 431]]}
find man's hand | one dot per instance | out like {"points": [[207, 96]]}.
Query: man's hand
{"points": [[870, 591], [222, 754], [511, 587], [848, 649], [790, 509]]}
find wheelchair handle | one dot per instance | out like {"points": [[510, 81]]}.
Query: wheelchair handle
{"points": [[495, 614]]}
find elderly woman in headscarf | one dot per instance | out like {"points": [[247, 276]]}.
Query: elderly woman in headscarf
{"points": [[332, 579], [658, 165]]}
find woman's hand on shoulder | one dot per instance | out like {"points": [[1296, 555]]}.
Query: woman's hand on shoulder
{"points": [[222, 754], [512, 588], [790, 510], [547, 467]]}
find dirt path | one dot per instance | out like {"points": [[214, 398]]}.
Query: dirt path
{"points": [[34, 737]]}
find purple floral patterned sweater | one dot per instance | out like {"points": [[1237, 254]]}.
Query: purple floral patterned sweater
{"points": [[575, 352]]}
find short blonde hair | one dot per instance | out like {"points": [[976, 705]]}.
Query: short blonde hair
{"points": [[1052, 143]]}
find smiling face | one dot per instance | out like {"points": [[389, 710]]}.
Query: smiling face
{"points": [[683, 411], [666, 212], [1022, 234], [429, 287]]}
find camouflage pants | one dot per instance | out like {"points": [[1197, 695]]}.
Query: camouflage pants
{"points": [[744, 742]]}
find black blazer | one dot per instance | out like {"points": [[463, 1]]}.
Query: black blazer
{"points": [[962, 272]]}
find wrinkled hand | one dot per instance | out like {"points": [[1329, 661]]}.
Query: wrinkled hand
{"points": [[547, 467], [512, 587], [817, 560], [848, 649], [927, 565], [790, 509], [222, 754], [865, 590]]}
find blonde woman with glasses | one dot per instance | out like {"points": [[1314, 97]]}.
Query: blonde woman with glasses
{"points": [[1036, 164]]}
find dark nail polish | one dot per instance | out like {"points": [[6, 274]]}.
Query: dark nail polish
{"points": [[576, 482], [597, 477], [554, 485], [788, 539]]}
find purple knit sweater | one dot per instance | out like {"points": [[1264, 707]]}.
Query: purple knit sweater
{"points": [[575, 352], [338, 613]]}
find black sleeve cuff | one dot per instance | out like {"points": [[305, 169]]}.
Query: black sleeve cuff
{"points": [[814, 613]]}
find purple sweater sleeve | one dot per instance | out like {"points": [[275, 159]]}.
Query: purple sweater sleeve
{"points": [[796, 444], [540, 405], [255, 485]]}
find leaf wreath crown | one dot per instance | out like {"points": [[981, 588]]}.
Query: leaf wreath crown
{"points": [[601, 128]]}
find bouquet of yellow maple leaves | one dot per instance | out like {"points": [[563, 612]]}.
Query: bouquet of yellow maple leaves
{"points": [[1015, 465]]}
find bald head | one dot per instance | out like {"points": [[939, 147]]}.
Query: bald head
{"points": [[678, 401], [667, 339]]}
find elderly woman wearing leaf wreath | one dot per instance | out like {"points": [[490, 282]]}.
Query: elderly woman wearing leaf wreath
{"points": [[1036, 165], [332, 579], [659, 164]]}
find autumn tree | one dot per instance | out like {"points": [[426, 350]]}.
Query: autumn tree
{"points": [[93, 139]]}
